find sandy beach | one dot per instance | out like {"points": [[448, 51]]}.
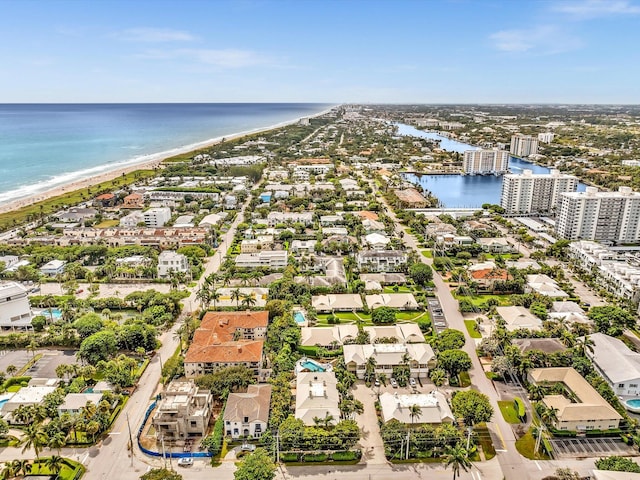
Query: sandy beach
{"points": [[148, 162]]}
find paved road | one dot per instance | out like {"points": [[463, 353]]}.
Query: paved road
{"points": [[511, 462]]}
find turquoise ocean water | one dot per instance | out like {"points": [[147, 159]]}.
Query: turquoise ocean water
{"points": [[43, 146]]}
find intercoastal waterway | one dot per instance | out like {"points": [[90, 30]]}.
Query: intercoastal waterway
{"points": [[464, 191]]}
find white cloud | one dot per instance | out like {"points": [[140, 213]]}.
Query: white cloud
{"points": [[586, 9], [153, 35], [540, 40], [224, 58]]}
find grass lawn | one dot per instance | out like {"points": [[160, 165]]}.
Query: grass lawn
{"points": [[108, 223], [525, 446], [350, 317], [508, 411], [484, 439], [471, 324], [13, 388], [400, 290], [427, 253], [70, 470], [478, 300], [465, 380]]}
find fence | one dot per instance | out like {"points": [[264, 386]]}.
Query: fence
{"points": [[169, 454]]}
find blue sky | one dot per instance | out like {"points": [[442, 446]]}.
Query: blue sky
{"points": [[408, 51]]}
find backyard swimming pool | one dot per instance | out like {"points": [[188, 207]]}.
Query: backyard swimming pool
{"points": [[633, 405], [299, 317]]}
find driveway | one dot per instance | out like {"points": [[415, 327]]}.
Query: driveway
{"points": [[371, 441]]}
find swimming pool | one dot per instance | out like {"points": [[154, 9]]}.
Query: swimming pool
{"points": [[312, 366], [633, 405], [299, 317], [56, 313]]}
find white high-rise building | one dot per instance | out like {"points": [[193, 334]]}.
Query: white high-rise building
{"points": [[157, 217], [535, 192], [546, 137], [523, 145], [600, 216], [485, 162]]}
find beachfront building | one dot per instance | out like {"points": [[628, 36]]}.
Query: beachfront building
{"points": [[600, 216], [482, 162], [617, 363], [15, 310], [183, 411], [170, 261], [535, 192], [434, 408], [317, 397], [246, 415], [389, 355], [583, 409], [523, 145], [157, 217]]}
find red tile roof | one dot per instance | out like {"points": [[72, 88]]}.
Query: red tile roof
{"points": [[227, 352], [490, 274]]}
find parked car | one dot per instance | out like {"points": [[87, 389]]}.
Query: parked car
{"points": [[247, 447], [393, 382], [185, 461], [412, 382], [376, 383]]}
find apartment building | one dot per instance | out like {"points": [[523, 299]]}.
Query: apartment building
{"points": [[481, 162], [170, 261], [535, 192], [546, 137], [523, 145], [157, 217], [15, 310], [601, 216], [381, 260], [264, 258]]}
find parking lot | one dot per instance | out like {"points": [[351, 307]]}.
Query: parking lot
{"points": [[46, 366], [17, 358], [437, 315], [590, 447]]}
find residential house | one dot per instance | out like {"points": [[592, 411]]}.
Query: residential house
{"points": [[523, 264], [434, 408], [303, 246], [381, 260], [106, 200], [585, 410], [53, 268], [387, 355], [341, 334], [246, 415], [133, 200], [377, 241], [15, 309], [74, 402], [133, 219], [411, 198], [184, 221], [617, 363], [496, 245], [543, 285], [30, 395], [274, 218], [384, 278], [76, 215], [568, 313], [183, 411], [317, 397], [170, 261], [397, 301], [486, 278], [517, 317], [213, 220], [343, 302]]}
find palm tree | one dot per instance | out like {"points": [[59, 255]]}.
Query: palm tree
{"points": [[236, 295], [549, 415], [415, 412], [248, 300], [93, 427], [215, 296], [536, 392], [9, 470], [11, 369], [457, 458], [57, 441], [54, 463], [370, 369], [204, 296], [583, 345], [34, 437]]}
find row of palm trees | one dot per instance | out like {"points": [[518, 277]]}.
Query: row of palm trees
{"points": [[17, 468], [208, 293]]}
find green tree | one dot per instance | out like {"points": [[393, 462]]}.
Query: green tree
{"points": [[88, 324], [383, 316], [473, 407], [33, 436], [449, 339], [54, 463], [454, 362], [611, 320], [420, 273], [257, 466], [99, 346]]}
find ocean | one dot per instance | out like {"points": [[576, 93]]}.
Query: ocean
{"points": [[43, 146]]}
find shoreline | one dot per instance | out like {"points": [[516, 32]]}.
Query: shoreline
{"points": [[145, 162]]}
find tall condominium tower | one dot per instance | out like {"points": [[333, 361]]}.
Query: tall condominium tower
{"points": [[523, 145], [600, 216], [485, 162], [535, 192]]}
